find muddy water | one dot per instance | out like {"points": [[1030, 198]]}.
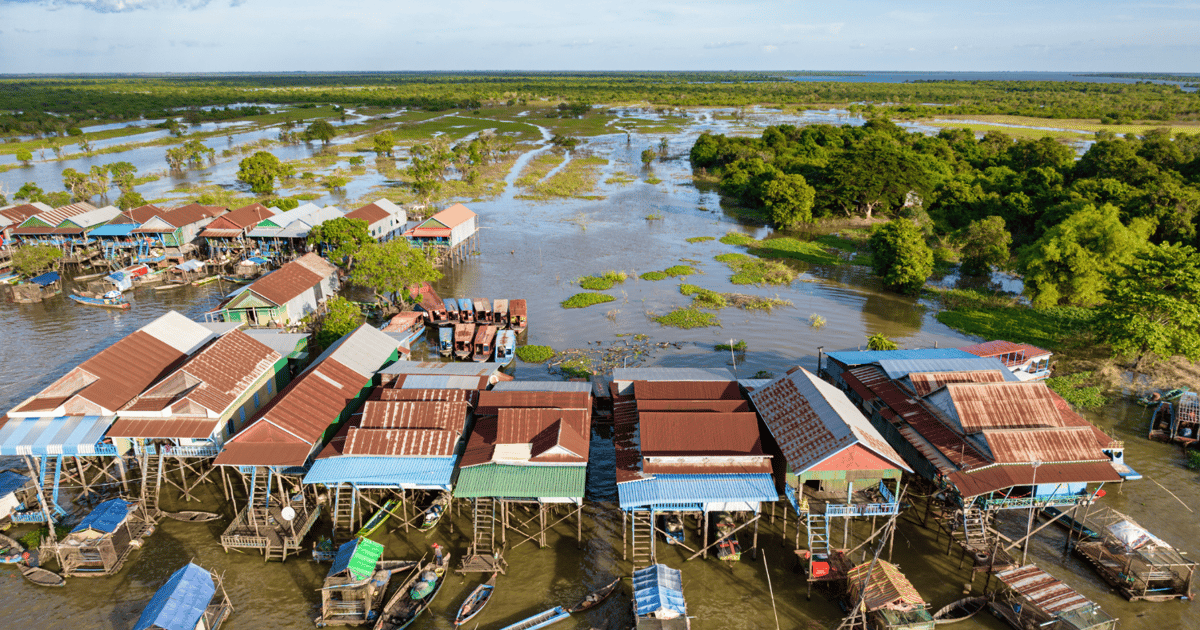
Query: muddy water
{"points": [[535, 250]]}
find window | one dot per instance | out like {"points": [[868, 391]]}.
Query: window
{"points": [[271, 386], [256, 403], [242, 415]]}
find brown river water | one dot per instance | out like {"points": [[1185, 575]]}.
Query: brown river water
{"points": [[534, 250]]}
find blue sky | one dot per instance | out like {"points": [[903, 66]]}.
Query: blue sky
{"points": [[39, 36]]}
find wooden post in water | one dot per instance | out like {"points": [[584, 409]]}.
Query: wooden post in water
{"points": [[705, 547], [579, 525], [624, 535]]}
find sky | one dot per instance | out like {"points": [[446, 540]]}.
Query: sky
{"points": [[101, 36]]}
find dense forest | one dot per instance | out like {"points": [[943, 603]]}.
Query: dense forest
{"points": [[54, 104]]}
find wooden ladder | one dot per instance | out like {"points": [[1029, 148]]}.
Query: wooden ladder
{"points": [[484, 524], [50, 473], [343, 508], [641, 533], [818, 533], [152, 473], [975, 527]]}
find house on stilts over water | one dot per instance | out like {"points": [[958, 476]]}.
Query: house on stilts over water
{"points": [[272, 453], [191, 599], [282, 297], [102, 541], [450, 233]]}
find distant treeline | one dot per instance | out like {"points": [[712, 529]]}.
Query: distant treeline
{"points": [[44, 105], [1143, 76]]}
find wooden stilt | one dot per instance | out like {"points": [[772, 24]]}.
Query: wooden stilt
{"points": [[754, 542], [579, 526], [542, 526], [1028, 531], [705, 538]]}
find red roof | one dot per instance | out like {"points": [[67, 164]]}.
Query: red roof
{"points": [[237, 221], [142, 214], [689, 434], [17, 214], [999, 477], [400, 442], [559, 442], [491, 402], [292, 279], [1003, 405], [369, 213], [192, 213], [1021, 352], [686, 390], [384, 414], [126, 368], [716, 406], [521, 426], [165, 428]]}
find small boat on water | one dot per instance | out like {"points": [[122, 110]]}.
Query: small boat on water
{"points": [[658, 598], [414, 596], [434, 512], [123, 279], [516, 315], [1187, 419], [728, 547], [485, 339], [192, 516], [112, 299], [380, 517], [506, 346], [500, 312], [203, 281], [1153, 398], [42, 577], [1068, 523], [11, 551], [192, 597], [475, 601], [960, 610], [452, 313], [170, 285], [541, 620], [483, 311], [672, 526], [1162, 422], [445, 340], [411, 324], [593, 599], [466, 311], [463, 335], [236, 280]]}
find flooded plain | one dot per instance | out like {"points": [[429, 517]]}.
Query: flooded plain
{"points": [[536, 250]]}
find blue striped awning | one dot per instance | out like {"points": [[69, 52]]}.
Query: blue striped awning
{"points": [[389, 472], [673, 489], [64, 435], [120, 229]]}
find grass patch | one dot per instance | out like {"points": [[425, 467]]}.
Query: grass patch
{"points": [[1074, 389], [676, 271], [654, 217], [754, 302], [584, 300], [688, 318], [704, 298], [747, 270], [603, 281], [620, 178], [652, 180], [1000, 316], [654, 276], [740, 346], [788, 247], [577, 368], [700, 239], [535, 354], [737, 238], [539, 167], [576, 179]]}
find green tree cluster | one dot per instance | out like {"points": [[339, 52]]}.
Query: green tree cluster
{"points": [[259, 172], [389, 268], [900, 256], [35, 259], [340, 318]]}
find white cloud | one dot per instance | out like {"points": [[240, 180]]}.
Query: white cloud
{"points": [[724, 44], [769, 48], [124, 6]]}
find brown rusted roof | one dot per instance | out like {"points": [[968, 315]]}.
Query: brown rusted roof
{"points": [[666, 433], [715, 406], [142, 214], [1018, 352], [166, 428], [126, 368], [521, 426], [559, 442], [625, 430], [263, 454], [219, 374], [192, 213], [516, 307], [237, 221], [1072, 419], [998, 477], [687, 390], [292, 279], [481, 444], [43, 404], [400, 442], [384, 414], [490, 402], [369, 213], [761, 467], [1002, 405], [403, 321], [17, 214], [1065, 444], [1043, 590], [881, 585], [925, 382], [449, 395]]}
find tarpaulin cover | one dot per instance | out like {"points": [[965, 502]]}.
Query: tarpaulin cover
{"points": [[359, 557], [180, 603], [64, 435], [106, 517], [658, 591], [45, 279], [1132, 535]]}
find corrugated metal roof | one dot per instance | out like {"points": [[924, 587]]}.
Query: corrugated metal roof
{"points": [[238, 220], [444, 381], [752, 384], [687, 390], [542, 386], [851, 358], [671, 374], [490, 402], [293, 279], [922, 383], [105, 517], [882, 586], [222, 372], [370, 213], [1043, 590], [282, 219], [658, 591], [401, 442], [56, 216], [712, 406], [181, 602], [999, 347], [521, 482], [665, 489], [284, 343], [357, 558], [896, 369], [978, 406], [64, 435], [114, 229], [979, 481], [447, 395], [407, 414], [46, 279], [433, 367], [179, 332], [11, 481], [95, 217], [761, 466], [17, 214], [392, 472], [811, 420], [1066, 444], [689, 434], [164, 428], [192, 213], [522, 426]]}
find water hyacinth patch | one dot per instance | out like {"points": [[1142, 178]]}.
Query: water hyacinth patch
{"points": [[584, 300]]}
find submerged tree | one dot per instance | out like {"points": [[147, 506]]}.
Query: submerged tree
{"points": [[789, 199], [320, 130], [259, 171], [984, 243], [900, 256], [35, 259], [390, 267], [1152, 304], [879, 342]]}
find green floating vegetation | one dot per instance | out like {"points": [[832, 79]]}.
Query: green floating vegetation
{"points": [[737, 238], [816, 321], [652, 180], [740, 346], [788, 247], [704, 298], [680, 270], [654, 217], [584, 300], [577, 368], [603, 281], [1075, 390], [999, 316], [1193, 460], [747, 270], [688, 318], [654, 276], [701, 239], [535, 354]]}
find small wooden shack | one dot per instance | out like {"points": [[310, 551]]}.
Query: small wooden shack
{"points": [[887, 597], [17, 492], [1135, 562], [102, 541], [658, 602], [35, 290], [191, 599], [1033, 598], [353, 590]]}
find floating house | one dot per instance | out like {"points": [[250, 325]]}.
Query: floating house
{"points": [[16, 490], [226, 234], [385, 220], [450, 232], [1032, 598], [66, 227], [1026, 361], [887, 598], [175, 230], [353, 591], [102, 541], [280, 298], [272, 452], [687, 443], [37, 289], [834, 463], [191, 599], [288, 230], [658, 602], [69, 418], [15, 215], [526, 449], [1137, 563]]}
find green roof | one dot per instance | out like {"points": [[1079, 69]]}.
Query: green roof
{"points": [[524, 482], [359, 556]]}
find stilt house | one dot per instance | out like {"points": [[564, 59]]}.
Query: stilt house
{"points": [[226, 235], [352, 592], [280, 298], [385, 220], [1026, 361], [888, 599], [191, 599], [102, 541], [1032, 598]]}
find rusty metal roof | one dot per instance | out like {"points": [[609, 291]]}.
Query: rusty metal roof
{"points": [[384, 414], [978, 406], [522, 426], [293, 279], [369, 213], [191, 213], [1072, 419], [625, 437], [403, 321], [1042, 590], [687, 390], [886, 587], [922, 383], [689, 434], [400, 442], [491, 402], [447, 395], [238, 221], [979, 481], [655, 467], [480, 444], [559, 442], [1017, 352], [1065, 444], [165, 428], [715, 406], [222, 372]]}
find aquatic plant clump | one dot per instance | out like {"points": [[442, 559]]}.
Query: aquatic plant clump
{"points": [[700, 239], [816, 321], [687, 318], [737, 238], [535, 354], [603, 281], [584, 300], [680, 270], [577, 368], [740, 346], [654, 276], [1073, 389]]}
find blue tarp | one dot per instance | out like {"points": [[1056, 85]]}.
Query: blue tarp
{"points": [[865, 357], [11, 481], [181, 602], [106, 517], [123, 280], [258, 260], [658, 589], [361, 567], [46, 279], [64, 435], [120, 229], [190, 265], [673, 489], [426, 472]]}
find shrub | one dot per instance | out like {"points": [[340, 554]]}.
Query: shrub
{"points": [[880, 342], [816, 321], [680, 270], [535, 354], [688, 318], [700, 239], [584, 300], [1073, 390], [740, 346], [653, 276], [576, 368], [737, 238], [603, 281]]}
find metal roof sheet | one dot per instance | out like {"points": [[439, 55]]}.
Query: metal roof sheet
{"points": [[979, 481], [164, 428], [1065, 444], [409, 414], [922, 383], [490, 402], [114, 229], [658, 590], [106, 517], [192, 213], [692, 434], [46, 279], [899, 368], [179, 332], [542, 386], [181, 602], [670, 374], [522, 426], [223, 372], [433, 367], [1043, 590], [401, 442], [94, 217], [365, 350], [293, 279], [978, 406], [687, 390], [443, 381], [999, 347], [284, 343], [56, 216], [382, 471], [447, 395], [453, 216], [11, 481], [64, 435], [282, 219], [863, 357], [357, 558], [521, 482], [667, 489], [882, 586]]}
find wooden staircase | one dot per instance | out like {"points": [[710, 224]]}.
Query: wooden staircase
{"points": [[483, 515], [975, 527], [152, 474], [51, 465], [818, 533], [344, 504], [641, 533]]}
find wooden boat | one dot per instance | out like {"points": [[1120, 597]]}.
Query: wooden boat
{"points": [[1173, 394], [192, 516], [485, 339], [170, 285], [1187, 419], [42, 577], [594, 598], [380, 517], [445, 340], [154, 277], [90, 276], [466, 311], [414, 596], [117, 302], [541, 620], [475, 601], [451, 311], [395, 565], [410, 324], [500, 312], [236, 280], [1162, 422], [728, 547], [506, 346], [483, 311], [672, 525], [516, 315], [203, 281], [463, 334], [960, 610], [1067, 522], [11, 551], [434, 513]]}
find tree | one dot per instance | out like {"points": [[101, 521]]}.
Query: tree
{"points": [[80, 185], [876, 173], [320, 130], [24, 155], [664, 147], [428, 165], [1152, 304], [30, 192], [384, 141], [900, 256], [99, 178], [390, 267], [282, 203], [647, 156], [789, 199], [32, 260], [130, 199], [335, 181], [341, 317], [259, 171], [984, 243], [879, 342], [357, 160], [1071, 262], [123, 174], [342, 238]]}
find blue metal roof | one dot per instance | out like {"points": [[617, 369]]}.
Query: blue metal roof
{"points": [[46, 279], [11, 481], [899, 368], [179, 604], [426, 472], [663, 489], [345, 558], [120, 229], [658, 588], [64, 435], [865, 357], [106, 517]]}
